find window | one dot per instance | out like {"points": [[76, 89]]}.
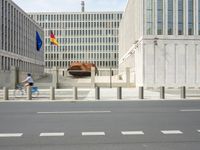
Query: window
{"points": [[190, 17], [170, 17], [160, 17], [180, 17], [149, 17]]}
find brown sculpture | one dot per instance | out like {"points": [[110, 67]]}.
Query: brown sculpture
{"points": [[78, 69]]}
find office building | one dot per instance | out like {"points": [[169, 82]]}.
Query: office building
{"points": [[160, 42], [82, 37], [18, 41]]}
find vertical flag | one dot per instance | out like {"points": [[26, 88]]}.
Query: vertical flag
{"points": [[38, 41], [53, 39]]}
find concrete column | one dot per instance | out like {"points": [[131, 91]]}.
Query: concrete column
{"points": [[5, 93], [162, 92], [97, 93], [14, 77], [141, 92], [55, 77], [128, 76], [75, 93], [93, 77], [183, 92], [119, 93], [52, 93], [29, 93]]}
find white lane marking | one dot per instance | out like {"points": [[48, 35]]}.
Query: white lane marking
{"points": [[172, 132], [74, 112], [52, 134], [11, 134], [92, 133], [190, 110], [132, 132], [198, 131]]}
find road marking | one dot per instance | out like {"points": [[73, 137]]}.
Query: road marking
{"points": [[92, 133], [52, 134], [74, 112], [190, 110], [11, 134], [172, 132], [132, 132], [198, 131]]}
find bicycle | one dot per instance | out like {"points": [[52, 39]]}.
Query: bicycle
{"points": [[20, 91]]}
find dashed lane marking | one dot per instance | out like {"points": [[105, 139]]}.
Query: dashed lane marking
{"points": [[52, 134], [74, 112], [172, 132], [190, 110], [132, 132], [11, 134], [92, 133]]}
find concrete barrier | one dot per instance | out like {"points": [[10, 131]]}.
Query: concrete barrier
{"points": [[5, 93], [119, 93], [141, 92], [29, 93], [75, 93], [52, 93], [162, 92], [97, 93], [183, 92]]}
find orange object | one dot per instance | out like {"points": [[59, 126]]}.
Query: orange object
{"points": [[81, 69]]}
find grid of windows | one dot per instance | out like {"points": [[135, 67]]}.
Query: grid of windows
{"points": [[185, 12], [83, 37], [18, 40]]}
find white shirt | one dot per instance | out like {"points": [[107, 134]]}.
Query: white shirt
{"points": [[29, 79]]}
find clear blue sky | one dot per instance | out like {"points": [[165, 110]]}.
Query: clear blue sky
{"points": [[70, 5]]}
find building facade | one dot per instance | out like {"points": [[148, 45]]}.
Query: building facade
{"points": [[18, 40], [82, 37], [160, 41]]}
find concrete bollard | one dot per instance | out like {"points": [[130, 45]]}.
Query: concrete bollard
{"points": [[119, 93], [75, 92], [5, 93], [162, 92], [52, 93], [29, 93], [141, 92], [183, 92], [97, 93]]}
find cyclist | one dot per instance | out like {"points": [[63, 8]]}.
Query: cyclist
{"points": [[28, 81]]}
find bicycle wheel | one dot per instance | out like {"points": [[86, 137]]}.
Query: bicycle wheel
{"points": [[18, 93]]}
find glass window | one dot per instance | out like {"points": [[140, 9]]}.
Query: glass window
{"points": [[180, 17], [149, 17], [160, 17], [190, 17], [170, 17]]}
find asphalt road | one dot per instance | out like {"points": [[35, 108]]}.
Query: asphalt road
{"points": [[152, 125]]}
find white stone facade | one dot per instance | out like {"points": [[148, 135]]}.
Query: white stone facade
{"points": [[161, 43]]}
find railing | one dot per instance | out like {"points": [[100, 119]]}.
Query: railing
{"points": [[77, 93]]}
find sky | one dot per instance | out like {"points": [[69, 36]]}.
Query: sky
{"points": [[70, 5]]}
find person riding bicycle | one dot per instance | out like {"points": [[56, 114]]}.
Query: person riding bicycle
{"points": [[28, 81]]}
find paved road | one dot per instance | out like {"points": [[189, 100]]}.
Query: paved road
{"points": [[154, 125]]}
